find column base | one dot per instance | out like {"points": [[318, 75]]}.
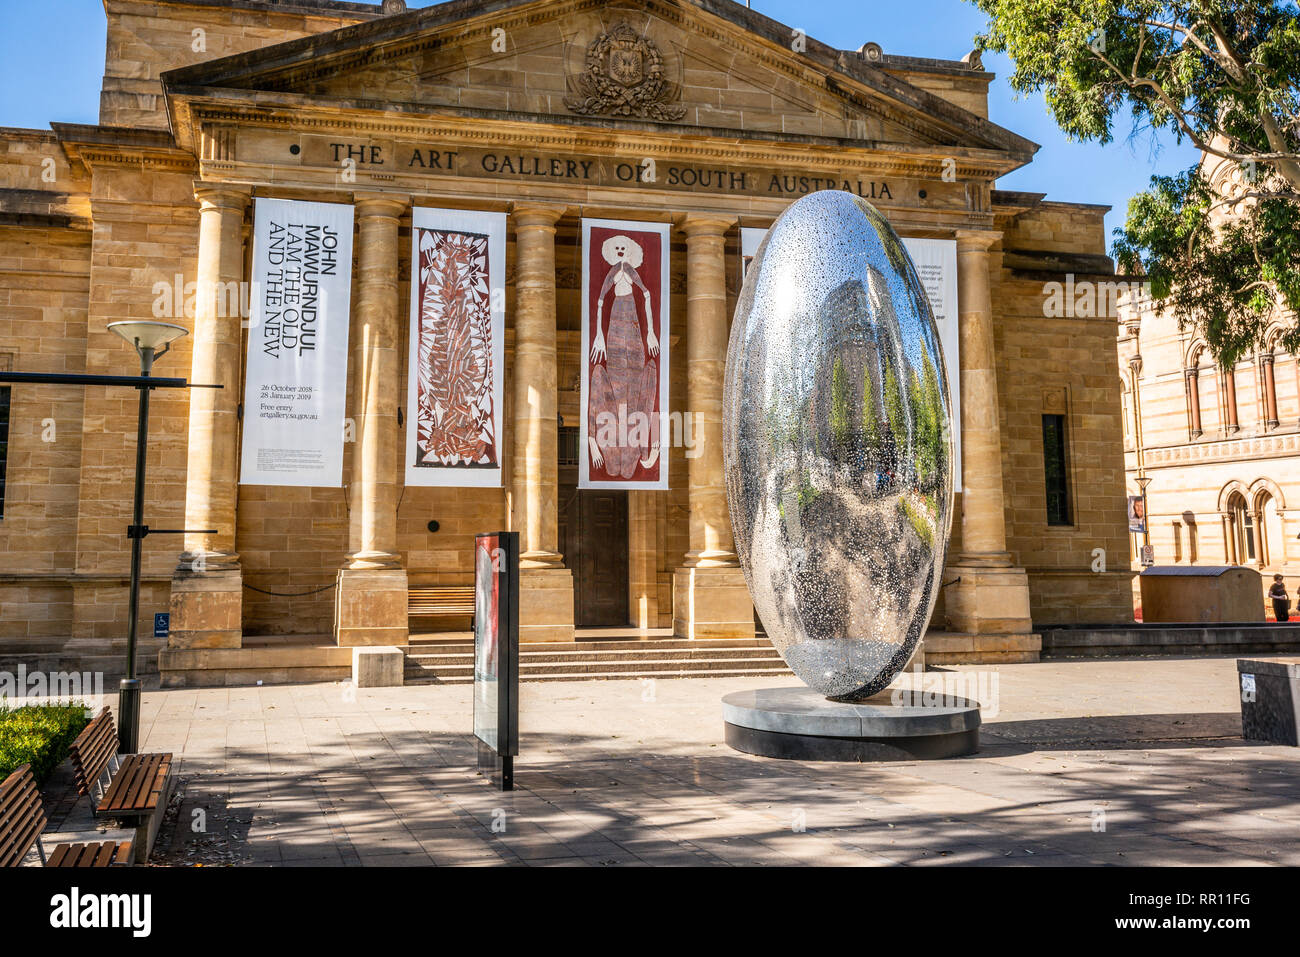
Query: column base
{"points": [[545, 604], [989, 599], [370, 607], [207, 610], [949, 648], [712, 602]]}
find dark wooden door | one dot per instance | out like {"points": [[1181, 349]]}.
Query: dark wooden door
{"points": [[593, 540]]}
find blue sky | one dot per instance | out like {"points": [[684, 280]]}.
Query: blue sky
{"points": [[52, 61]]}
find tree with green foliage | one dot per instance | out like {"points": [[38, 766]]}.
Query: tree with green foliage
{"points": [[840, 404], [927, 417], [894, 404], [870, 430], [1223, 75]]}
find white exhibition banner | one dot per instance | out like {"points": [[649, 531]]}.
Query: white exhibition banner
{"points": [[296, 377], [624, 399], [936, 266], [456, 364]]}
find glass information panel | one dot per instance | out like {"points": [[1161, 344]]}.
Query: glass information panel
{"points": [[496, 654]]}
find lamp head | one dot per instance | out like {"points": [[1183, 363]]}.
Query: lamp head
{"points": [[1143, 482], [151, 339]]}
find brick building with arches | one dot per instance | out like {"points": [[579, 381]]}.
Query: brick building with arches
{"points": [[1221, 446]]}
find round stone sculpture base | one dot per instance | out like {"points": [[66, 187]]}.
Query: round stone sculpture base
{"points": [[799, 724]]}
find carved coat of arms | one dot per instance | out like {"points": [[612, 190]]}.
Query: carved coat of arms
{"points": [[624, 76]]}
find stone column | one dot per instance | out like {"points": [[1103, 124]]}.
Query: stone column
{"points": [[992, 596], [545, 585], [371, 600], [1230, 397], [1194, 399], [1270, 390], [207, 587], [710, 599]]}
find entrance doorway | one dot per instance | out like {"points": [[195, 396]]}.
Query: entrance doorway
{"points": [[593, 540]]}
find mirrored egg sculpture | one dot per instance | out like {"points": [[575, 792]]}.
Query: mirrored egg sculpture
{"points": [[837, 445]]}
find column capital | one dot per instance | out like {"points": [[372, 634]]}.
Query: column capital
{"points": [[976, 240], [707, 224], [536, 214], [379, 203], [222, 195]]}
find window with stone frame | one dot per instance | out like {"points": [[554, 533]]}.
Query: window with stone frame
{"points": [[6, 365], [4, 443], [1056, 471]]}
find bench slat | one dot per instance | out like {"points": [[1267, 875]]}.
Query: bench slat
{"points": [[94, 854], [440, 600], [92, 750], [22, 818], [137, 786], [60, 856]]}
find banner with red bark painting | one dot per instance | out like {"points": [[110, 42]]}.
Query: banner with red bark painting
{"points": [[625, 355], [457, 351]]}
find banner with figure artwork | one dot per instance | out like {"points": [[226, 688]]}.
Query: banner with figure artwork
{"points": [[457, 351], [300, 301], [625, 351]]}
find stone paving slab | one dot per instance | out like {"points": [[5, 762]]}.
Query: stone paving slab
{"points": [[1094, 762]]}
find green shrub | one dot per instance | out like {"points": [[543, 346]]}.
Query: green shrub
{"points": [[39, 735]]}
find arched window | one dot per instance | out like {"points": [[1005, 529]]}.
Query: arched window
{"points": [[1272, 541], [1243, 530]]}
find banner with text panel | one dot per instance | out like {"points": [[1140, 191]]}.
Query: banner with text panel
{"points": [[295, 388]]}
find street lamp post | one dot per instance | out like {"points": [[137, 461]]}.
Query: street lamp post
{"points": [[1143, 481], [151, 340]]}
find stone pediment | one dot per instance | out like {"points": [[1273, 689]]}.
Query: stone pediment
{"points": [[701, 67]]}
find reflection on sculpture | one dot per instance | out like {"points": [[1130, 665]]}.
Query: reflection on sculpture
{"points": [[837, 445]]}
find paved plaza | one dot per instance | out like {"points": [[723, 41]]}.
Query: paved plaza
{"points": [[1127, 762]]}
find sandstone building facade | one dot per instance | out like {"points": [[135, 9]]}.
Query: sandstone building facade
{"points": [[209, 105], [1220, 445]]}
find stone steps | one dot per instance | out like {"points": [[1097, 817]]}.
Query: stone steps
{"points": [[431, 644], [549, 657], [448, 662], [638, 666], [609, 676]]}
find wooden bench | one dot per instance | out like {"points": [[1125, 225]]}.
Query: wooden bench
{"points": [[131, 788], [22, 819], [429, 600]]}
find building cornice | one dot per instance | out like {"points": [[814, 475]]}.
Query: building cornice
{"points": [[1240, 448], [848, 76], [91, 147]]}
